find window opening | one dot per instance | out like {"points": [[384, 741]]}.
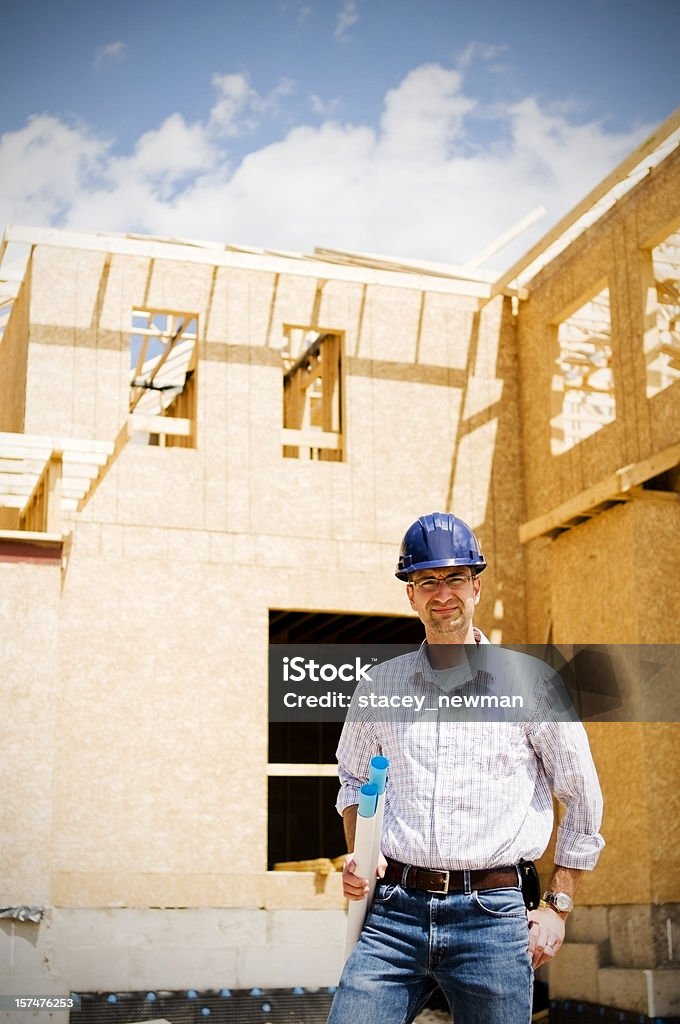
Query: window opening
{"points": [[303, 782], [312, 394], [583, 384], [662, 327], [163, 360]]}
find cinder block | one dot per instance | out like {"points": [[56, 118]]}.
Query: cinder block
{"points": [[87, 969], [131, 928], [573, 974], [632, 936], [588, 924], [285, 968], [313, 928], [656, 993], [181, 967]]}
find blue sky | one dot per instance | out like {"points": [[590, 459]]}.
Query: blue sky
{"points": [[421, 130]]}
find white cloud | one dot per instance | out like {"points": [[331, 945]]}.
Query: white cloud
{"points": [[239, 107], [43, 168], [348, 15], [424, 115], [109, 54], [326, 108], [235, 102], [412, 186], [476, 50]]}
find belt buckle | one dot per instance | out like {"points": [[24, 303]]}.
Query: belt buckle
{"points": [[445, 890]]}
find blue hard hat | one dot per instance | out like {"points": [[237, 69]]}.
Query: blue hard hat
{"points": [[438, 540]]}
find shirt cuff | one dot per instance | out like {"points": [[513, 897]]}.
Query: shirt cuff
{"points": [[577, 849], [347, 796]]}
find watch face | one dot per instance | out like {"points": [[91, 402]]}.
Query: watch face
{"points": [[561, 901]]}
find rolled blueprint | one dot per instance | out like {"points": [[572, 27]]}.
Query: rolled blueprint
{"points": [[377, 776], [367, 845]]}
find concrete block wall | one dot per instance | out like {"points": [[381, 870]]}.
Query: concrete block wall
{"points": [[125, 950], [621, 956]]}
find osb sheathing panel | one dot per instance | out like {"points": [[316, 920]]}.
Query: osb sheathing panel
{"points": [[77, 378], [625, 868], [172, 671], [14, 361], [340, 306], [390, 324], [444, 330], [491, 414], [389, 478], [605, 579], [468, 455], [294, 303], [76, 390], [594, 583], [662, 752], [150, 702], [66, 287], [125, 289], [655, 544], [608, 253], [240, 307], [153, 696], [239, 434], [538, 590], [637, 765], [182, 287], [29, 608], [656, 201]]}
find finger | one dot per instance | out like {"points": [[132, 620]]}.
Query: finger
{"points": [[353, 886], [349, 875], [546, 953], [355, 892]]}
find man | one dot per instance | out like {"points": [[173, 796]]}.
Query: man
{"points": [[466, 802]]}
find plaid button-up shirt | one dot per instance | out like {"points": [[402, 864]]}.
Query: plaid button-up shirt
{"points": [[474, 794]]}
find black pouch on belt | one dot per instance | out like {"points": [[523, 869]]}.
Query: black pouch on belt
{"points": [[531, 884]]}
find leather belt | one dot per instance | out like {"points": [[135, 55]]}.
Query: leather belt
{"points": [[432, 880]]}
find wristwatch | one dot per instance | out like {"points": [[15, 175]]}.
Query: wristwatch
{"points": [[559, 901]]}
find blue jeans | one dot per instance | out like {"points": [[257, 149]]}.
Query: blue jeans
{"points": [[474, 945]]}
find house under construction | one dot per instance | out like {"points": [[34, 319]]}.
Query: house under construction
{"points": [[206, 449]]}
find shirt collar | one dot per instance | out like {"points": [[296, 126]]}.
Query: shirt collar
{"points": [[449, 679]]}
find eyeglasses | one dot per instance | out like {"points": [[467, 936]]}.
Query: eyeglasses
{"points": [[455, 581]]}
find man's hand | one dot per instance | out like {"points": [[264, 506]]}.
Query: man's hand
{"points": [[546, 935], [353, 887]]}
